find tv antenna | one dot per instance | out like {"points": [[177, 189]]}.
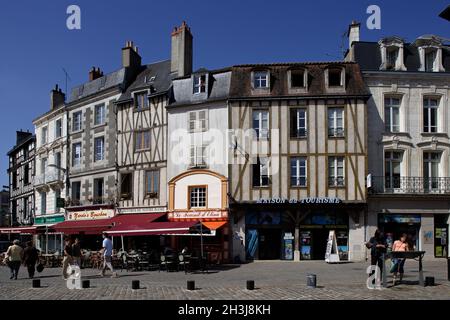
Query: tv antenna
{"points": [[67, 78]]}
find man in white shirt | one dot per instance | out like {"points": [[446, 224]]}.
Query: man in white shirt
{"points": [[107, 255]]}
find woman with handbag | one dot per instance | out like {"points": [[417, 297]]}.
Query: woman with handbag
{"points": [[398, 264], [14, 257], [30, 258]]}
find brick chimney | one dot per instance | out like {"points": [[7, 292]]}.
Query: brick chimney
{"points": [[57, 98], [181, 57], [130, 56], [95, 73]]}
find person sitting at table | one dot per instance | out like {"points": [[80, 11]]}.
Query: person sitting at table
{"points": [[398, 264], [167, 251], [185, 250]]}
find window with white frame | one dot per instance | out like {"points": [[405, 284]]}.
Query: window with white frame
{"points": [[297, 78], [142, 140], [298, 123], [197, 197], [431, 161], [43, 202], [76, 192], [58, 128], [334, 77], [298, 172], [152, 182], [260, 79], [430, 114], [76, 121], [76, 154], [99, 114], [336, 122], [336, 176], [141, 101], [392, 169], [99, 148], [392, 114], [391, 58], [198, 121], [44, 136], [261, 123], [430, 60], [199, 84], [261, 172], [198, 156]]}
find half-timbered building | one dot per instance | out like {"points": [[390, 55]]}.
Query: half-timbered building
{"points": [[298, 164]]}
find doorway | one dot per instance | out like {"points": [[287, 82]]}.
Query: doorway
{"points": [[319, 243], [269, 244]]}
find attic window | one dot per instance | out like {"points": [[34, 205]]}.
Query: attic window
{"points": [[430, 58], [297, 78], [199, 84], [391, 58], [334, 77], [261, 79]]}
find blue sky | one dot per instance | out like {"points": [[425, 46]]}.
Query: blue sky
{"points": [[36, 45]]}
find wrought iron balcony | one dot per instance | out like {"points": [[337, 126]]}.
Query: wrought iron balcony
{"points": [[409, 185]]}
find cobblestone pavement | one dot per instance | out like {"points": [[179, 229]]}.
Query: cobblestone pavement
{"points": [[277, 280]]}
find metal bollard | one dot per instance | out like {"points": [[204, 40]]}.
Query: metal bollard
{"points": [[311, 280], [135, 284], [429, 281], [250, 285], [36, 283], [85, 284], [191, 285]]}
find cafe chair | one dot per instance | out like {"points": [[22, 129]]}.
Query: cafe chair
{"points": [[183, 262], [165, 263]]}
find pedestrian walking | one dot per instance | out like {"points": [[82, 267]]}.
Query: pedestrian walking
{"points": [[14, 256], [107, 248], [377, 245], [30, 258], [67, 257], [76, 252], [398, 264]]}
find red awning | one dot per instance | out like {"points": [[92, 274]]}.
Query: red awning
{"points": [[83, 226], [19, 230], [142, 225]]}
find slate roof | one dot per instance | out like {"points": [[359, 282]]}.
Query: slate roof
{"points": [[156, 75], [241, 86], [110, 80], [218, 88], [31, 138], [368, 56]]}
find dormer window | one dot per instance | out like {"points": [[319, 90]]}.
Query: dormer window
{"points": [[261, 80], [297, 79], [334, 77], [430, 59], [199, 84], [391, 58], [141, 101], [392, 54]]}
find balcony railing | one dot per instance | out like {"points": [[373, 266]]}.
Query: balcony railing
{"points": [[408, 185]]}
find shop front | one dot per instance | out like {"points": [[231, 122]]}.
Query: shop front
{"points": [[296, 229], [48, 240], [200, 195]]}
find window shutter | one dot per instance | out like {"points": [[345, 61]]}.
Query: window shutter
{"points": [[192, 121], [203, 119], [192, 156]]}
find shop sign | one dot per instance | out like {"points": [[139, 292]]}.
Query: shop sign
{"points": [[142, 210], [398, 218], [309, 200], [91, 214], [213, 214], [288, 236]]}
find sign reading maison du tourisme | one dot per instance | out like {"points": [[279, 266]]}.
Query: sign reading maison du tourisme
{"points": [[313, 200], [91, 214]]}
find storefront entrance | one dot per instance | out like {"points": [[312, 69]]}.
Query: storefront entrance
{"points": [[393, 226], [269, 244]]}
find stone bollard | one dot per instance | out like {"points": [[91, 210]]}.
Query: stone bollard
{"points": [[311, 280], [191, 285], [135, 284], [85, 284], [250, 285], [36, 283]]}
